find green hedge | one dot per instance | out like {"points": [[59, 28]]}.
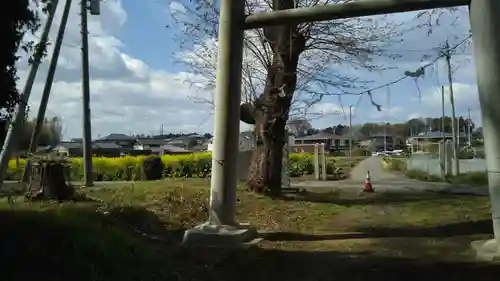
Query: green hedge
{"points": [[141, 168]]}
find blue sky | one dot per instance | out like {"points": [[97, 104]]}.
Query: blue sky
{"points": [[136, 85]]}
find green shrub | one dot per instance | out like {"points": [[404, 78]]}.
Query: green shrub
{"points": [[153, 168], [338, 153], [466, 154], [477, 143], [394, 164], [295, 170], [360, 152]]}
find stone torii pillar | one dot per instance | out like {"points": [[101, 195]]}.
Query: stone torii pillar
{"points": [[222, 228], [485, 25]]}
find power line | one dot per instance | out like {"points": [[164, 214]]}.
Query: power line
{"points": [[406, 76], [442, 55]]}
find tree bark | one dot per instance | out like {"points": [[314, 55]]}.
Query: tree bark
{"points": [[272, 107]]}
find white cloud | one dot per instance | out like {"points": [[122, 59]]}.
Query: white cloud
{"points": [[390, 114], [127, 95], [327, 108], [465, 98], [463, 94]]}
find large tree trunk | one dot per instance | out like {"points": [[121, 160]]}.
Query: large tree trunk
{"points": [[272, 107]]}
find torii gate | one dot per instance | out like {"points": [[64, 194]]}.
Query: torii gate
{"points": [[222, 227]]}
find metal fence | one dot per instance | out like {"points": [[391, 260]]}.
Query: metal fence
{"points": [[429, 163]]}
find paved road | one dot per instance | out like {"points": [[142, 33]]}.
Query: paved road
{"points": [[377, 173], [384, 181]]}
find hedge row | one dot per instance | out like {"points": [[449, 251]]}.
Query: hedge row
{"points": [[153, 167]]}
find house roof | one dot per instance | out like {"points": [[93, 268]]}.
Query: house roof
{"points": [[68, 145], [79, 145], [173, 148], [433, 135], [318, 136], [150, 141], [117, 137], [324, 136], [381, 135], [109, 145]]}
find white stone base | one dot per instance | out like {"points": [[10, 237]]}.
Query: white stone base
{"points": [[487, 250], [219, 235]]}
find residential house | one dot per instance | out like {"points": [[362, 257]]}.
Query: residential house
{"points": [[75, 149], [331, 141], [380, 142], [435, 137], [246, 141], [168, 149], [187, 141], [119, 139], [72, 149], [148, 143]]}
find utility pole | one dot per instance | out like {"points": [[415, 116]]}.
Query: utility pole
{"points": [[388, 101], [87, 128], [350, 130], [442, 116], [16, 127], [42, 108], [469, 127], [444, 147], [385, 136], [447, 55]]}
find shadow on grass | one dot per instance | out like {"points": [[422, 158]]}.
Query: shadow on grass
{"points": [[333, 266], [68, 243], [351, 198], [442, 231], [75, 242]]}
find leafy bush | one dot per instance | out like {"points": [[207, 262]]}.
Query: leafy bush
{"points": [[394, 164], [466, 154], [338, 153], [477, 143], [361, 152], [150, 167]]}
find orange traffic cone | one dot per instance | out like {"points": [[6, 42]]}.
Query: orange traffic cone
{"points": [[367, 187]]}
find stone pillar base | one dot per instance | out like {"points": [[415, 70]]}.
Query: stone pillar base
{"points": [[219, 235], [487, 250]]}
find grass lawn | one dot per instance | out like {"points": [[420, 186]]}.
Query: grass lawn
{"points": [[132, 232]]}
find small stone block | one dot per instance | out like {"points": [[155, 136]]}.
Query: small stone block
{"points": [[219, 235], [487, 250]]}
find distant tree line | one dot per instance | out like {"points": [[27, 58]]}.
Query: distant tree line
{"points": [[170, 135], [409, 128], [51, 132]]}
